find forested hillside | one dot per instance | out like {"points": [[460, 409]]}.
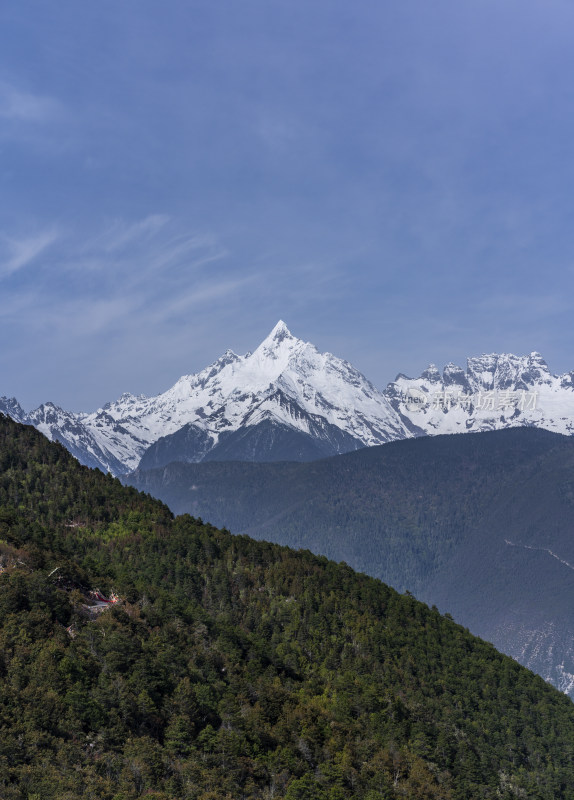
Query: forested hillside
{"points": [[479, 525], [398, 510], [231, 668]]}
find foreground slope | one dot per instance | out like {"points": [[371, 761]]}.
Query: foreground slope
{"points": [[233, 668], [478, 525]]}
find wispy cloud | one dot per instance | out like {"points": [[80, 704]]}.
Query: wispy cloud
{"points": [[148, 267], [24, 106], [202, 295], [15, 254], [119, 234], [155, 243], [150, 272]]}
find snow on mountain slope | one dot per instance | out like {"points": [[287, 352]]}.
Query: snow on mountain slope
{"points": [[288, 383], [12, 408], [284, 380], [496, 391]]}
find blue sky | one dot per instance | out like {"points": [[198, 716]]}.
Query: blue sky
{"points": [[393, 179]]}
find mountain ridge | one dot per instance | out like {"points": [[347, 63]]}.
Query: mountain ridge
{"points": [[285, 380], [307, 405]]}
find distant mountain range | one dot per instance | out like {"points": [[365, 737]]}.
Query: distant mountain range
{"points": [[495, 391], [288, 402], [479, 525]]}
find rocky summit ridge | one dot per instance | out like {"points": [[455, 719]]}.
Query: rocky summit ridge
{"points": [[496, 391]]}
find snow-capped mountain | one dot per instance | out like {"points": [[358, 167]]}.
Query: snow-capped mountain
{"points": [[287, 401], [496, 391], [284, 400]]}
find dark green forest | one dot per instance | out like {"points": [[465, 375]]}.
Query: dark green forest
{"points": [[234, 669], [479, 525], [398, 511]]}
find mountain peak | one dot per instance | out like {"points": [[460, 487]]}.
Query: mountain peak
{"points": [[278, 345], [431, 374], [280, 332], [229, 357], [12, 408]]}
